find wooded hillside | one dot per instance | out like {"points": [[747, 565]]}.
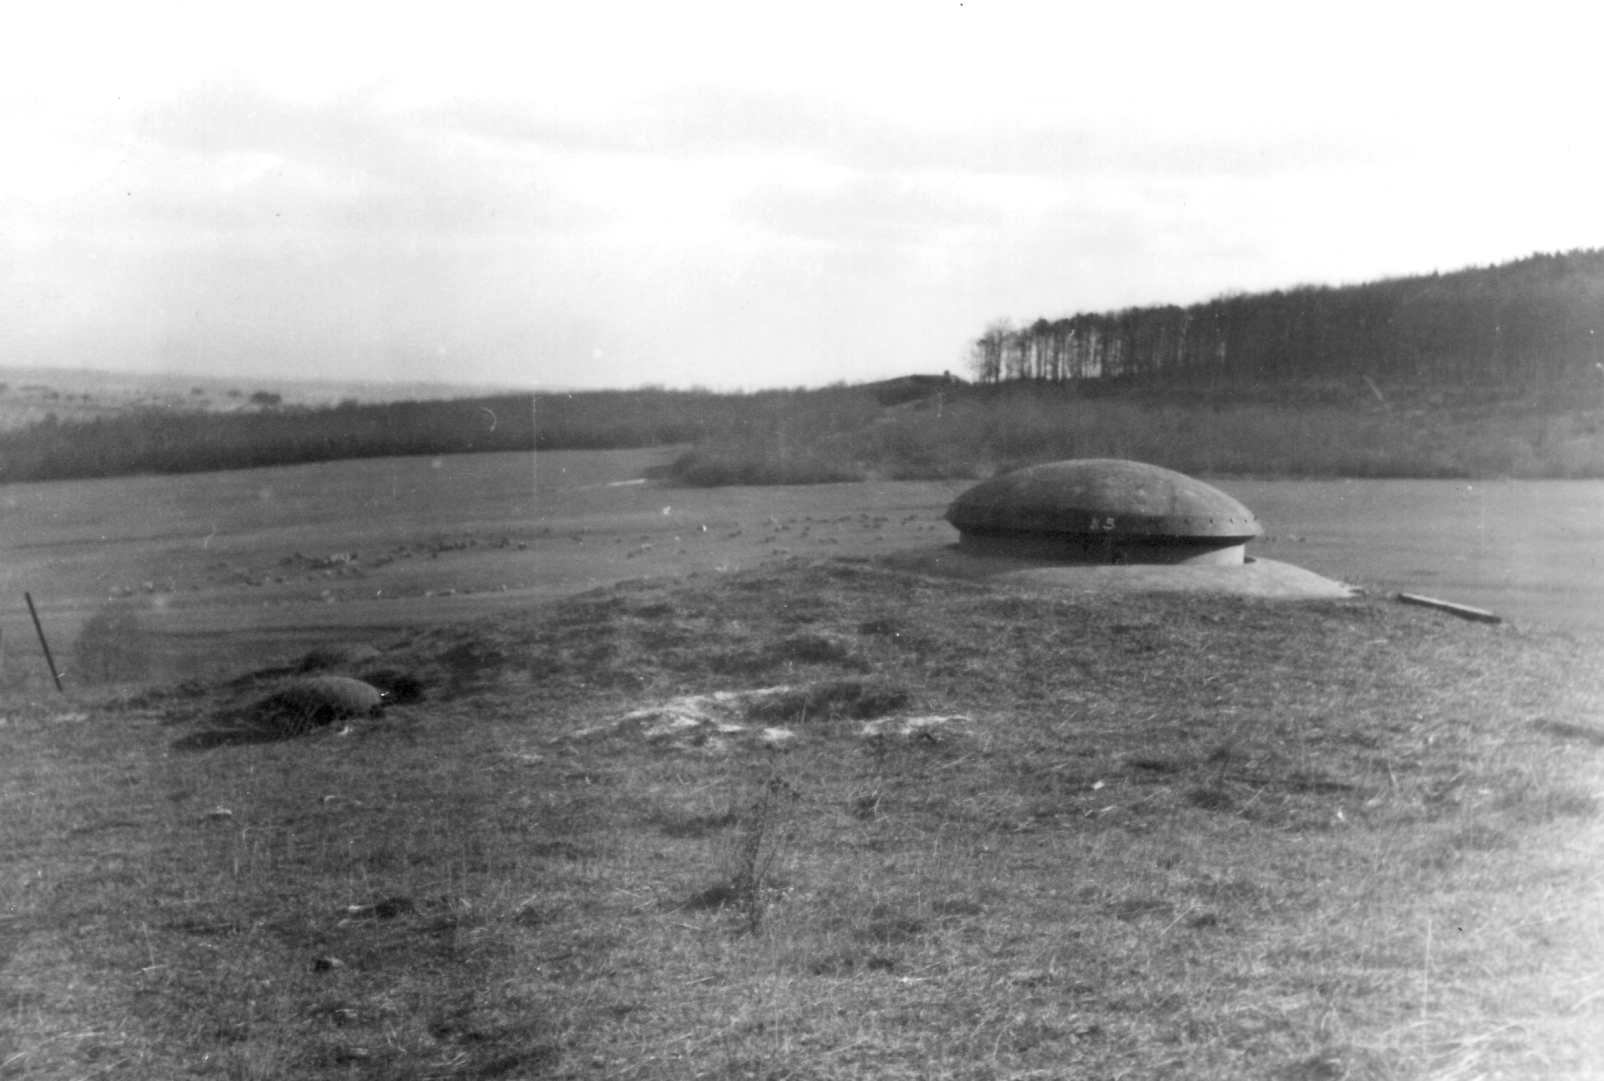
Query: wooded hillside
{"points": [[1519, 326]]}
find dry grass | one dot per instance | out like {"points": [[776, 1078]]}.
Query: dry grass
{"points": [[977, 433], [1176, 837]]}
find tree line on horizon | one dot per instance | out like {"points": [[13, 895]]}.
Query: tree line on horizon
{"points": [[1517, 326], [1533, 325], [188, 441], [166, 440]]}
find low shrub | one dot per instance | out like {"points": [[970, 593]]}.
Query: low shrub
{"points": [[111, 647]]}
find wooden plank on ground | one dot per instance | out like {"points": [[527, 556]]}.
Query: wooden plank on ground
{"points": [[1463, 611]]}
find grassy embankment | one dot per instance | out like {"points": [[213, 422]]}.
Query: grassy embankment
{"points": [[847, 433], [1171, 837], [1283, 431]]}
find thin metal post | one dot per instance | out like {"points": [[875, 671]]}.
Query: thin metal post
{"points": [[51, 661]]}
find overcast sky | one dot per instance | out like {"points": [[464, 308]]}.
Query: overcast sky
{"points": [[746, 195]]}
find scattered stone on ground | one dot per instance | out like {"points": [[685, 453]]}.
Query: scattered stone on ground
{"points": [[927, 729], [707, 722], [777, 739], [715, 722], [387, 909]]}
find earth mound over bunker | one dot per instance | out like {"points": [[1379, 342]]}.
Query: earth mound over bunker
{"points": [[1103, 510], [317, 700]]}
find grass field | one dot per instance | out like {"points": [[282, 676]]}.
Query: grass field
{"points": [[962, 832], [1158, 840], [222, 567]]}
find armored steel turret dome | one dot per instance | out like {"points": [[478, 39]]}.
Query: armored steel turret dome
{"points": [[1103, 510]]}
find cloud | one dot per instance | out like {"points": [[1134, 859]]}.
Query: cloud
{"points": [[233, 160], [864, 211], [674, 121], [847, 186]]}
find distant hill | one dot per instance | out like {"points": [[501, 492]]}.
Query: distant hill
{"points": [[910, 388], [28, 395], [1526, 325], [1483, 372]]}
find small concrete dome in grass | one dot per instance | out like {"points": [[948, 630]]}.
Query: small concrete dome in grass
{"points": [[1103, 510]]}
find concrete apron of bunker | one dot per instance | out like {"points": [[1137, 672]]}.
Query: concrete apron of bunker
{"points": [[1267, 578]]}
